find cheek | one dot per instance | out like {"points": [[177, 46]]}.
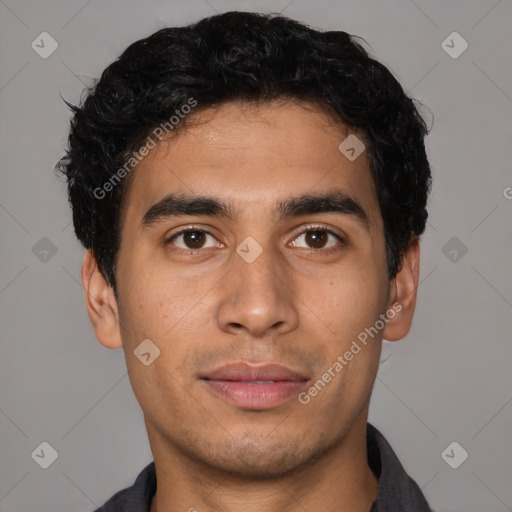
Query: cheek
{"points": [[146, 305], [162, 304], [345, 300]]}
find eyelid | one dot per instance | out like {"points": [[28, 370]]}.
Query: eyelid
{"points": [[319, 227]]}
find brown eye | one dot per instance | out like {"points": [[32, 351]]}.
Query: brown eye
{"points": [[318, 238], [194, 239], [191, 239]]}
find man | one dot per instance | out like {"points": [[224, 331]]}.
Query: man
{"points": [[251, 193]]}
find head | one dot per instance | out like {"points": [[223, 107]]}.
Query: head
{"points": [[231, 128]]}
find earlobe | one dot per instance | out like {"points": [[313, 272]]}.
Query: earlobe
{"points": [[402, 300], [101, 303]]}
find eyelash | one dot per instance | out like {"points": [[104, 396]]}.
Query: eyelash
{"points": [[309, 228]]}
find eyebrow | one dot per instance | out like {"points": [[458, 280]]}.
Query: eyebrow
{"points": [[335, 201]]}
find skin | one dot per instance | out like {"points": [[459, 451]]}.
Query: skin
{"points": [[293, 306]]}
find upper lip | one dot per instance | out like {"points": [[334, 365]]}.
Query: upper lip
{"points": [[246, 372]]}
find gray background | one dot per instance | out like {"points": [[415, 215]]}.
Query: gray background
{"points": [[449, 380]]}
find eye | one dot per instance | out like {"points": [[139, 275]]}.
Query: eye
{"points": [[192, 239], [317, 238]]}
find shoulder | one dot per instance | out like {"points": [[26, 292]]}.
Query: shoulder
{"points": [[136, 498], [397, 491]]}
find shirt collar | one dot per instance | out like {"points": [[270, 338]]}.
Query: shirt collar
{"points": [[397, 491]]}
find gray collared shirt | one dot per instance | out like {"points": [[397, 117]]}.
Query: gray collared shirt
{"points": [[397, 492]]}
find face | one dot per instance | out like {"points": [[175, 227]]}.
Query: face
{"points": [[269, 280]]}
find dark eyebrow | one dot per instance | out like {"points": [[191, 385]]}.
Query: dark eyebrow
{"points": [[174, 205], [335, 201]]}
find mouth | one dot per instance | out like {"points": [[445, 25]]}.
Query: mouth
{"points": [[254, 387]]}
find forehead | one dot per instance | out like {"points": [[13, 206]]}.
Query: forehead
{"points": [[253, 157]]}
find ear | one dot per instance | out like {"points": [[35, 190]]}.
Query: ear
{"points": [[402, 297], [101, 304]]}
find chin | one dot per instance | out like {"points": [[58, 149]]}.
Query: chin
{"points": [[260, 457]]}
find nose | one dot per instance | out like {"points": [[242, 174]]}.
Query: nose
{"points": [[258, 297]]}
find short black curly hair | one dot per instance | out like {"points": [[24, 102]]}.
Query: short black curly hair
{"points": [[243, 56]]}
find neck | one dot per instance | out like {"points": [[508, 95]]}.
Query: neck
{"points": [[339, 480]]}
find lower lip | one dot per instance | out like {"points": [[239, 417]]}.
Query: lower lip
{"points": [[252, 395]]}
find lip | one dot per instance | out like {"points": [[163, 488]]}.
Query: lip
{"points": [[245, 372], [254, 387]]}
